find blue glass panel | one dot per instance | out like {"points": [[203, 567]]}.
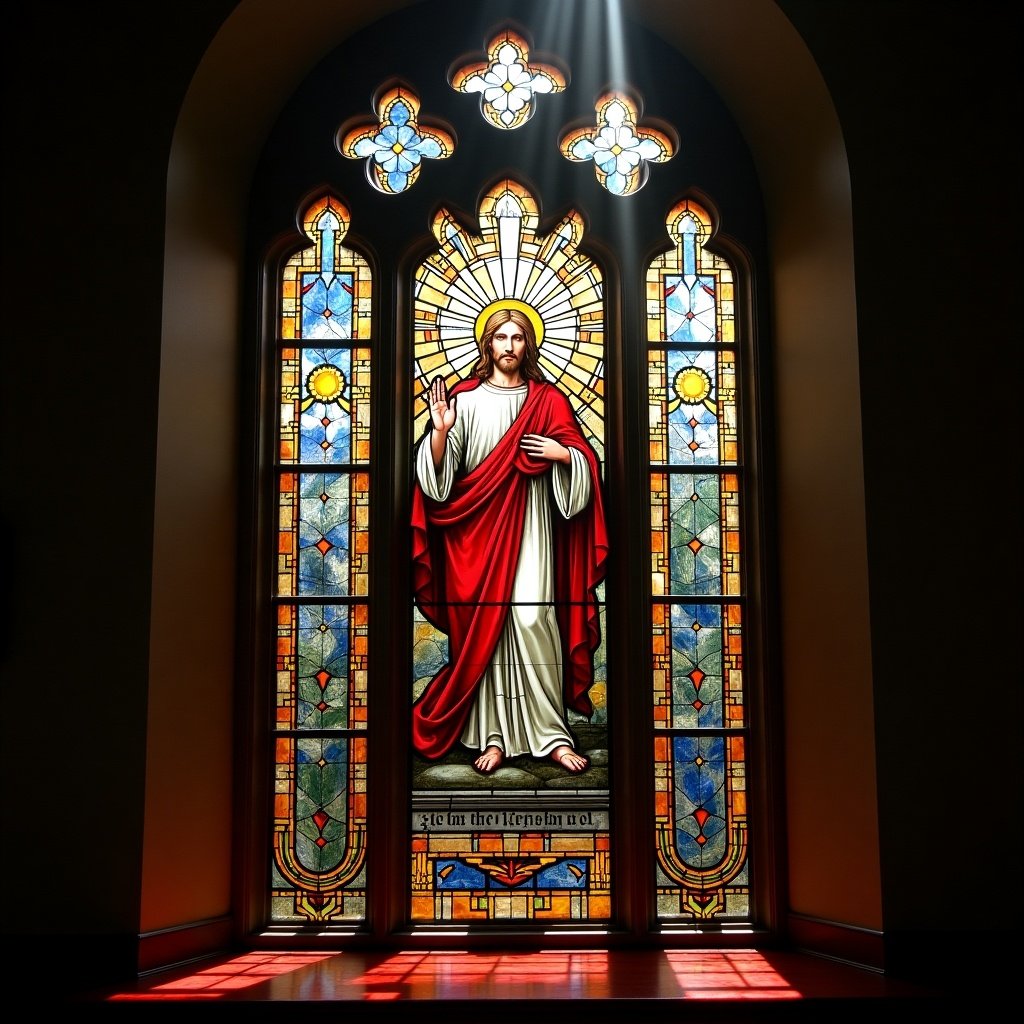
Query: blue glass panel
{"points": [[566, 874], [323, 667], [690, 308], [695, 541], [454, 874], [700, 807], [326, 306], [696, 666], [692, 408], [326, 421], [324, 534], [321, 802]]}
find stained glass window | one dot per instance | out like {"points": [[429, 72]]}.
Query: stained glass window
{"points": [[620, 149], [395, 146], [508, 83], [529, 841], [403, 801], [322, 578], [696, 480]]}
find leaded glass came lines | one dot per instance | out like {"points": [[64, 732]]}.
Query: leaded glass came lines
{"points": [[529, 844], [321, 542], [507, 82], [701, 843]]}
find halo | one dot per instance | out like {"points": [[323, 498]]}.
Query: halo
{"points": [[523, 307]]}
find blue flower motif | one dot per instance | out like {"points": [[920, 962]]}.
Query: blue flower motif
{"points": [[397, 148]]}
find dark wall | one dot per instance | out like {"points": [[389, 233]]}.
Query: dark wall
{"points": [[301, 152], [91, 96], [929, 96]]}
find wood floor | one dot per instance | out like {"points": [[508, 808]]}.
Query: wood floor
{"points": [[562, 987]]}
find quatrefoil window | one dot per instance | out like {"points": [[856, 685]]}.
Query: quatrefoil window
{"points": [[620, 149], [395, 146], [507, 82]]}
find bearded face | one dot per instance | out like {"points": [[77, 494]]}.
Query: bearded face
{"points": [[508, 344]]}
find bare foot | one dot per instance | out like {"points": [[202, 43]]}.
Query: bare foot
{"points": [[568, 759], [489, 760]]}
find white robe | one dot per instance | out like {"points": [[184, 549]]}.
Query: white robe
{"points": [[518, 706]]}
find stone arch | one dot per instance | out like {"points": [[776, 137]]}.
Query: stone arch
{"points": [[768, 78]]}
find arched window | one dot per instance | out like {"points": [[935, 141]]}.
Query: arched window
{"points": [[320, 602], [698, 592], [583, 180], [529, 840]]}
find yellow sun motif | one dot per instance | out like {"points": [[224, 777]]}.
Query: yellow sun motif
{"points": [[692, 385], [523, 307], [325, 383]]}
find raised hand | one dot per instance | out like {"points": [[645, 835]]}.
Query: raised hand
{"points": [[442, 413]]}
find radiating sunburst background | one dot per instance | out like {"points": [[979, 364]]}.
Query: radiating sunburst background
{"points": [[508, 263]]}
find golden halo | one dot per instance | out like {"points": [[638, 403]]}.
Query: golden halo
{"points": [[523, 307]]}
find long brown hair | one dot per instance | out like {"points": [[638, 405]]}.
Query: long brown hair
{"points": [[529, 368]]}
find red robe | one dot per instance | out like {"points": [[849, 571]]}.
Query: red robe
{"points": [[464, 564]]}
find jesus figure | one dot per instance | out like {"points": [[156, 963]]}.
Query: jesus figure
{"points": [[509, 544]]}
